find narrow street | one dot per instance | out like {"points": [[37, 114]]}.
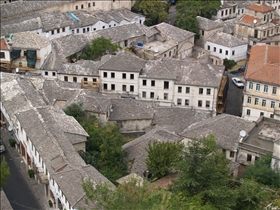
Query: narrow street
{"points": [[19, 188], [172, 15]]}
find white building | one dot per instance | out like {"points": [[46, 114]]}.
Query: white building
{"points": [[222, 45]]}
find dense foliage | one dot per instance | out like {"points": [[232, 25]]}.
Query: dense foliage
{"points": [[155, 11], [162, 156], [262, 172], [4, 172], [103, 146], [97, 48], [229, 63]]}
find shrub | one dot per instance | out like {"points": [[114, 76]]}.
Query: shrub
{"points": [[31, 173], [12, 142], [50, 203]]}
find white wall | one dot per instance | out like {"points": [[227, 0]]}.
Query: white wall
{"points": [[7, 56]]}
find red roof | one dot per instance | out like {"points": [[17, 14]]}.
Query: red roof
{"points": [[264, 64], [260, 8], [3, 45], [249, 19]]}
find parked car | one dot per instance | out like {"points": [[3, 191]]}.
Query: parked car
{"points": [[237, 82], [2, 147]]}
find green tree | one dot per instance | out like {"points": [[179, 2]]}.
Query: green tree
{"points": [[205, 174], [188, 21], [97, 48], [128, 196], [229, 63], [75, 110], [155, 11], [5, 172], [262, 172], [162, 156], [204, 8]]}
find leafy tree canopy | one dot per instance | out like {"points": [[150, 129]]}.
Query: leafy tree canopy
{"points": [[188, 21], [262, 172], [162, 156], [229, 63], [97, 48], [75, 110], [155, 11], [5, 172]]}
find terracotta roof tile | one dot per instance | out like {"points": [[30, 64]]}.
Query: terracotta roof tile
{"points": [[3, 45], [264, 64], [260, 7], [249, 19]]}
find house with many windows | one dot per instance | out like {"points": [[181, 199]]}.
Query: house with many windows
{"points": [[262, 86]]}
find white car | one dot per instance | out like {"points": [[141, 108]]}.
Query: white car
{"points": [[237, 82]]}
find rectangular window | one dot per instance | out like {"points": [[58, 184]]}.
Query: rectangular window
{"points": [[131, 89], [222, 14], [229, 11], [256, 101], [82, 6], [179, 89], [124, 88], [226, 11], [272, 105], [65, 78], [85, 79], [74, 79], [264, 33], [131, 76], [93, 4], [207, 104], [152, 94], [231, 154], [251, 85], [179, 101], [214, 49], [153, 83], [105, 86], [77, 8], [78, 31], [199, 103], [271, 115], [143, 94], [53, 74], [249, 157], [221, 51], [187, 89], [63, 29], [94, 80], [248, 111], [104, 74], [144, 82], [264, 103], [124, 76], [200, 90], [258, 87], [112, 75], [249, 100], [274, 90], [265, 88], [208, 47], [202, 32], [89, 5], [166, 85], [226, 52], [208, 91], [46, 73], [112, 86], [165, 96], [271, 32], [233, 52], [187, 102]]}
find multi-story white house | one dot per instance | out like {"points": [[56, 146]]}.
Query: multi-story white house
{"points": [[222, 45], [262, 88]]}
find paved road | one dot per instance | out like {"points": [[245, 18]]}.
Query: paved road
{"points": [[234, 97], [18, 189]]}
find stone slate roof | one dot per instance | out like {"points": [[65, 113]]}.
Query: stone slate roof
{"points": [[207, 24], [81, 67], [177, 119], [65, 46], [55, 20], [130, 109], [127, 31], [17, 8], [226, 40], [123, 61], [136, 149], [85, 19], [184, 72], [172, 32], [29, 40], [224, 127]]}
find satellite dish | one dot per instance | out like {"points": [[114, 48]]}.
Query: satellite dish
{"points": [[47, 35], [255, 21], [156, 49], [17, 70], [10, 128], [242, 133]]}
